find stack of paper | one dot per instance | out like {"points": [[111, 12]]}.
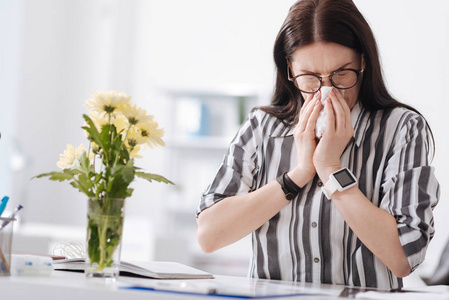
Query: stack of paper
{"points": [[153, 269]]}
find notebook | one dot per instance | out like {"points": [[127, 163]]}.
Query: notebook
{"points": [[150, 269]]}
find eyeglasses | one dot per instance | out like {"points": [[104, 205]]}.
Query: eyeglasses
{"points": [[342, 79]]}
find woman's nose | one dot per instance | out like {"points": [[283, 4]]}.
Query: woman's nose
{"points": [[326, 81]]}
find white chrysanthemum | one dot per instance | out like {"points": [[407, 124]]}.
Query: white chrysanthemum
{"points": [[153, 132], [71, 157], [105, 103], [134, 114]]}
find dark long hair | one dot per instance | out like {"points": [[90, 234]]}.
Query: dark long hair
{"points": [[336, 21]]}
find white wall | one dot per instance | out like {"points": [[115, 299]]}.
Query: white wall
{"points": [[65, 53], [10, 60], [413, 39], [55, 53]]}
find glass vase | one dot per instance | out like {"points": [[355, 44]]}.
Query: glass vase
{"points": [[104, 237]]}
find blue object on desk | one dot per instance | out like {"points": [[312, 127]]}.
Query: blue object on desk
{"points": [[190, 288], [3, 204], [3, 268], [12, 216]]}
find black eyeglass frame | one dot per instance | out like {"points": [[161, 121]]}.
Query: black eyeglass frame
{"points": [[320, 78]]}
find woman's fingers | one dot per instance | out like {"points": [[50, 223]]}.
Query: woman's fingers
{"points": [[339, 113], [311, 122], [339, 116], [309, 98], [343, 102], [330, 117], [308, 105], [306, 111], [341, 110]]}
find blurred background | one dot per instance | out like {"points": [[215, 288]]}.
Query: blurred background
{"points": [[198, 66]]}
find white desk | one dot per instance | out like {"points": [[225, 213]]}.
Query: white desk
{"points": [[71, 286], [74, 286]]}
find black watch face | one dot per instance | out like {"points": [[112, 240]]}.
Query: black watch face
{"points": [[344, 178]]}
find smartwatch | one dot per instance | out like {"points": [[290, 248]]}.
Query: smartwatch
{"points": [[339, 181]]}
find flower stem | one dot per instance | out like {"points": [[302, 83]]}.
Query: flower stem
{"points": [[102, 230]]}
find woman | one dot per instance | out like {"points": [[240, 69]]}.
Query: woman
{"points": [[353, 207]]}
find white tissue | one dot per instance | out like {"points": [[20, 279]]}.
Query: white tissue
{"points": [[321, 121]]}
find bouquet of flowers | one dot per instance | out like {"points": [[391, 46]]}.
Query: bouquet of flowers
{"points": [[117, 130]]}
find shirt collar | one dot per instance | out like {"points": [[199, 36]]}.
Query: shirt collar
{"points": [[356, 119]]}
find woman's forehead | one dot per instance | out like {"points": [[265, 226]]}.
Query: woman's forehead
{"points": [[319, 57]]}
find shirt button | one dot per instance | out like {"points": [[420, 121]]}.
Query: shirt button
{"points": [[314, 224], [316, 259], [320, 184]]}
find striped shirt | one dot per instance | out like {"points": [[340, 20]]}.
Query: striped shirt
{"points": [[308, 240]]}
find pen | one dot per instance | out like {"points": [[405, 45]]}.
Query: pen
{"points": [[3, 204], [4, 266], [12, 216]]}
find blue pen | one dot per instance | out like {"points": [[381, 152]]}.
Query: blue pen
{"points": [[12, 216], [3, 204]]}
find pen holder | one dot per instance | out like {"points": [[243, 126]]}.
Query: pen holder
{"points": [[5, 245]]}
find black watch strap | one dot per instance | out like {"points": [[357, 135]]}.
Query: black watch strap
{"points": [[290, 189]]}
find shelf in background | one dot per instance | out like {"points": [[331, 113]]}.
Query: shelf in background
{"points": [[226, 91], [199, 142]]}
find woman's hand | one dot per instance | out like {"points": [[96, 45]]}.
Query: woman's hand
{"points": [[336, 136], [304, 135]]}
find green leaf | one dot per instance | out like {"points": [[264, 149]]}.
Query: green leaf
{"points": [[94, 134], [85, 165], [65, 174], [93, 241], [151, 177], [97, 178], [129, 192], [100, 189], [121, 177], [105, 134], [86, 184], [83, 187], [128, 172]]}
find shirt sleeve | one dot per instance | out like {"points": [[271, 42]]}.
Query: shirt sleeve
{"points": [[410, 189], [237, 172]]}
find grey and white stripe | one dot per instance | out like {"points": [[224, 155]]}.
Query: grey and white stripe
{"points": [[308, 240]]}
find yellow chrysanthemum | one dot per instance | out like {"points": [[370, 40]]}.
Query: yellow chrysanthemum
{"points": [[134, 114], [106, 103], [70, 158], [154, 134], [135, 137], [118, 120], [95, 147], [135, 152]]}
